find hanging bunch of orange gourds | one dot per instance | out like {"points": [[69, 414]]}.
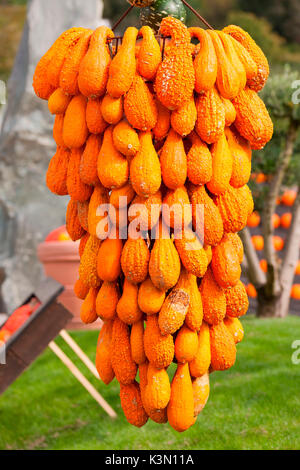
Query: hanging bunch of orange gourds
{"points": [[138, 129]]}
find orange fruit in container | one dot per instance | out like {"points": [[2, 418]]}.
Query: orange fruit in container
{"points": [[295, 292], [278, 243], [263, 265], [258, 242], [297, 270], [253, 219], [276, 220], [289, 197], [286, 220], [251, 291]]}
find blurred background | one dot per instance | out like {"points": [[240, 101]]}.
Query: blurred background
{"points": [[264, 379]]}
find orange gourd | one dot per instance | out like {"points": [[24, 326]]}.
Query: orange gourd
{"points": [[186, 345], [194, 316], [137, 342], [236, 300], [174, 309], [241, 153], [234, 209], [181, 405], [98, 199], [126, 139], [68, 79], [246, 59], [89, 160], [88, 312], [183, 119], [225, 264], [147, 210], [228, 79], [175, 78], [210, 123], [103, 353], [58, 130], [163, 123], [73, 225], [222, 163], [177, 211], [149, 56], [56, 177], [201, 362], [232, 55], [117, 196], [252, 119], [94, 119], [199, 161], [173, 161], [131, 402], [205, 212], [158, 389], [75, 131], [80, 289], [65, 47], [109, 259], [213, 299], [83, 211], [107, 300], [78, 190], [127, 309], [88, 263], [112, 109], [58, 102], [158, 416], [258, 81], [123, 67], [135, 260], [113, 170], [201, 393], [94, 68], [145, 171], [164, 265], [159, 348], [235, 327], [150, 299], [191, 252], [139, 106], [205, 63], [230, 112], [222, 346], [122, 363]]}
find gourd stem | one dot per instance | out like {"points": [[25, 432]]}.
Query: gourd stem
{"points": [[197, 14]]}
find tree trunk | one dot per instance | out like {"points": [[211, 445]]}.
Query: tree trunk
{"points": [[267, 306]]}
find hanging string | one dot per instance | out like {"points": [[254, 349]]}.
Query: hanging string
{"points": [[197, 14]]}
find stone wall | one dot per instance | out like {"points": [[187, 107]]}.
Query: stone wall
{"points": [[28, 211]]}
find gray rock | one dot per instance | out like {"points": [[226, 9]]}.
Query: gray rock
{"points": [[28, 211]]}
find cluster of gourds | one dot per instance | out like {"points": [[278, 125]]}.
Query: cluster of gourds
{"points": [[176, 129]]}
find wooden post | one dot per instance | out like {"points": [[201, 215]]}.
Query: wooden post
{"points": [[82, 379], [78, 351]]}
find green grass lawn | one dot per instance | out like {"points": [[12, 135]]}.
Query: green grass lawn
{"points": [[255, 405]]}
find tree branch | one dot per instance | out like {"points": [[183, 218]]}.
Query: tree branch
{"points": [[290, 260], [255, 274], [273, 287]]}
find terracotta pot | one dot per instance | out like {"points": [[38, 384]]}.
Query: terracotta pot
{"points": [[61, 262]]}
